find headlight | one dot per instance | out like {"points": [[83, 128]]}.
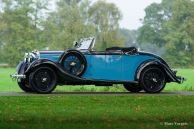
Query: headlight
{"points": [[31, 56]]}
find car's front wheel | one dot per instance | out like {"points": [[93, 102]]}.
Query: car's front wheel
{"points": [[133, 88], [43, 80], [24, 86], [153, 79]]}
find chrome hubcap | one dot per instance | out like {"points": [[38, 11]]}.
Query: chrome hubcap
{"points": [[72, 64], [44, 79], [154, 80]]}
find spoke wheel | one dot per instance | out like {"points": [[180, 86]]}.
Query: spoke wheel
{"points": [[133, 88], [153, 80], [74, 63], [43, 80]]}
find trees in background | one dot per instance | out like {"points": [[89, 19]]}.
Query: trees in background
{"points": [[79, 18], [19, 28], [169, 25], [26, 25], [105, 17], [129, 37], [67, 23]]}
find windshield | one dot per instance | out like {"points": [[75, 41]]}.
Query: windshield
{"points": [[85, 44]]}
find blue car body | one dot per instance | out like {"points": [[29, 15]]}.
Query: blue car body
{"points": [[108, 67], [113, 67], [87, 67]]}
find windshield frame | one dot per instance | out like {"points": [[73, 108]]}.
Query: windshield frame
{"points": [[85, 44]]}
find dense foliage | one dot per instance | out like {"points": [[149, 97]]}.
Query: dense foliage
{"points": [[25, 25], [169, 25]]}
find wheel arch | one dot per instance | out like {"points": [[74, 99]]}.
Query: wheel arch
{"points": [[23, 83], [41, 63], [21, 67], [169, 75]]}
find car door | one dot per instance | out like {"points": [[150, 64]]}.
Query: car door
{"points": [[96, 66], [103, 66], [114, 67]]}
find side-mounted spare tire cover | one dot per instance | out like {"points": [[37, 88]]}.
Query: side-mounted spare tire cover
{"points": [[73, 62]]}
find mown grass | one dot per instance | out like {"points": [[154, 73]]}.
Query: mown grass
{"points": [[6, 83], [94, 112]]}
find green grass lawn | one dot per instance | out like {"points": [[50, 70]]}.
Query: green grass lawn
{"points": [[6, 83], [103, 112]]}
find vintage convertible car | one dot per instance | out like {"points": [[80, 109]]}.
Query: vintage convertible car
{"points": [[42, 71]]}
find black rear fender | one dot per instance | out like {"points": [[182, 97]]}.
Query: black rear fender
{"points": [[170, 75]]}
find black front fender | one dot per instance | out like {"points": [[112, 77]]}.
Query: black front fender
{"points": [[170, 74], [38, 63], [56, 66]]}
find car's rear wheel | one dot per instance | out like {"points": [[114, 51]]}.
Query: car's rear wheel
{"points": [[133, 88], [23, 83], [43, 80], [153, 79]]}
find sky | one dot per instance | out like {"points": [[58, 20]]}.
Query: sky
{"points": [[132, 10]]}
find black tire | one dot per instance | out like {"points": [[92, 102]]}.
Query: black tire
{"points": [[153, 79], [24, 86], [74, 63], [23, 83], [133, 88], [43, 80]]}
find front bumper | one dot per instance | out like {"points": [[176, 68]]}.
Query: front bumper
{"points": [[18, 76]]}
